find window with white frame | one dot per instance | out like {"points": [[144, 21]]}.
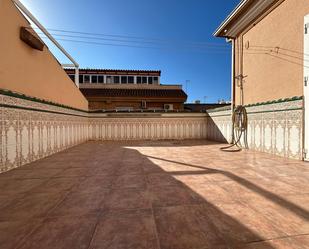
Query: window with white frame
{"points": [[116, 79], [131, 79], [109, 79], [144, 80], [86, 78], [94, 79], [124, 79], [100, 79]]}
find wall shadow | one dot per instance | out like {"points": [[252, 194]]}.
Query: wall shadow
{"points": [[299, 211], [222, 228], [182, 217]]}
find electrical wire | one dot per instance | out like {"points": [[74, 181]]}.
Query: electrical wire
{"points": [[139, 39], [197, 49], [161, 42]]}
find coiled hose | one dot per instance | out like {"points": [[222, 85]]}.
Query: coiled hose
{"points": [[240, 124]]}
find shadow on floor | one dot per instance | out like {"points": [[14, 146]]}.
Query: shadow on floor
{"points": [[105, 195], [303, 213]]}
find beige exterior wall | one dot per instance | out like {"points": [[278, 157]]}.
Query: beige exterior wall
{"points": [[29, 71], [274, 75]]}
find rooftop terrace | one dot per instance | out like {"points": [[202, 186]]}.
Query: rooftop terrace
{"points": [[180, 195]]}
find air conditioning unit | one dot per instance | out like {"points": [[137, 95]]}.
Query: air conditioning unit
{"points": [[168, 107]]}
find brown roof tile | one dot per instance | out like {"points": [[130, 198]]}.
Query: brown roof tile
{"points": [[112, 71], [160, 93]]}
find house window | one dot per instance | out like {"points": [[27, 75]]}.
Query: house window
{"points": [[131, 79], [116, 79], [155, 80], [149, 80], [86, 78], [94, 79], [81, 78], [144, 80], [108, 79], [138, 80], [124, 79], [100, 79]]}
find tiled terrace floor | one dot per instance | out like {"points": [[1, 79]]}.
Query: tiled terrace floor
{"points": [[168, 195]]}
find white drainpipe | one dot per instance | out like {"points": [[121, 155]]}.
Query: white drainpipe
{"points": [[232, 41], [41, 27]]}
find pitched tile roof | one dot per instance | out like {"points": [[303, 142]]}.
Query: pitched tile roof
{"points": [[113, 71], [157, 93]]}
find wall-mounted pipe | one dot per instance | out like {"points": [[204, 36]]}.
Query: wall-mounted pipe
{"points": [[232, 41], [50, 37]]}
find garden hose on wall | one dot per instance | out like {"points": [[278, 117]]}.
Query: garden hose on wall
{"points": [[240, 123]]}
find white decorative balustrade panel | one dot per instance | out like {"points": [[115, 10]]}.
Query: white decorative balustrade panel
{"points": [[32, 129], [151, 128], [274, 128]]}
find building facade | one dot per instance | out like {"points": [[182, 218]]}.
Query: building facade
{"points": [[269, 70], [128, 90]]}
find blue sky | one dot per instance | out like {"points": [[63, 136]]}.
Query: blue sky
{"points": [[189, 51]]}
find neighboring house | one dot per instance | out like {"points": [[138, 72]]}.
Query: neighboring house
{"points": [[195, 107], [128, 90], [270, 66]]}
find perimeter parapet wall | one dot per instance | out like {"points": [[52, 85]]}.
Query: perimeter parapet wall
{"points": [[32, 128], [274, 127]]}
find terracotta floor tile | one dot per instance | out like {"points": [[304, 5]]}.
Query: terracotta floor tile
{"points": [[30, 206], [62, 233], [130, 181], [301, 200], [18, 186], [212, 193], [80, 203], [240, 224], [12, 232], [49, 163], [173, 196], [104, 171], [95, 183], [148, 168], [40, 173], [297, 242], [200, 197], [75, 172], [130, 198], [181, 227], [291, 219], [15, 174], [57, 185], [129, 229], [162, 180], [130, 170]]}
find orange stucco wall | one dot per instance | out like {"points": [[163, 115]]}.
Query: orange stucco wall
{"points": [[29, 71], [280, 73]]}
